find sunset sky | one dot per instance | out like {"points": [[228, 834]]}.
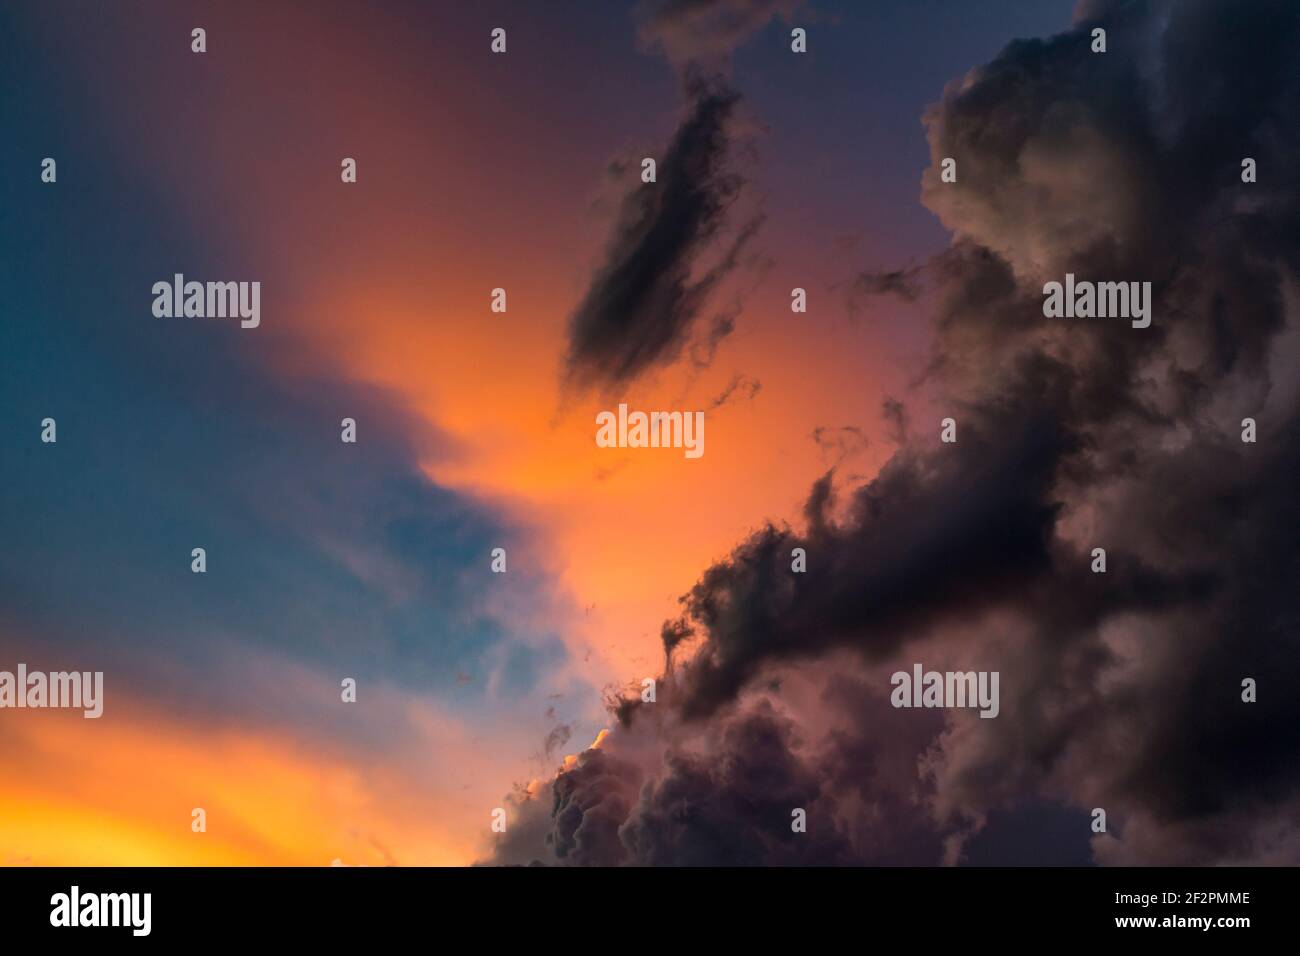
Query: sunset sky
{"points": [[475, 429]]}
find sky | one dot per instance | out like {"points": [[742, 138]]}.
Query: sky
{"points": [[521, 171]]}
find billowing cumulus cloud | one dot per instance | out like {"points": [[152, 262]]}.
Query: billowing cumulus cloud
{"points": [[1119, 690]]}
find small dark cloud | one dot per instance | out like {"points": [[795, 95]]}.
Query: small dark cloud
{"points": [[673, 244], [896, 419], [740, 386], [839, 442], [899, 282], [706, 32], [556, 738], [646, 297]]}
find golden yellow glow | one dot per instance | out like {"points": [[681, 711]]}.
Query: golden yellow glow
{"points": [[122, 793]]}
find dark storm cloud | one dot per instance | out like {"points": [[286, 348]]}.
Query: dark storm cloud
{"points": [[932, 539], [1119, 690], [575, 819], [730, 797], [719, 808]]}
